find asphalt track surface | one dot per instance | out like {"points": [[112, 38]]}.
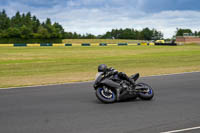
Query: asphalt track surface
{"points": [[73, 108]]}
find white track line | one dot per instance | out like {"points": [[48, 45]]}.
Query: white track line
{"points": [[172, 74], [92, 81], [182, 130], [45, 85]]}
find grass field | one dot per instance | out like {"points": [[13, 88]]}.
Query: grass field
{"points": [[25, 66]]}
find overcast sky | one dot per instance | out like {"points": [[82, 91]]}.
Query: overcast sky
{"points": [[99, 16]]}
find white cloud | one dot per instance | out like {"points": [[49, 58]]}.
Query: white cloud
{"points": [[99, 21]]}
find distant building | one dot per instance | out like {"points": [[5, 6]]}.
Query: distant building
{"points": [[188, 38]]}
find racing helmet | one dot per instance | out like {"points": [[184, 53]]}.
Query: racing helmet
{"points": [[102, 68]]}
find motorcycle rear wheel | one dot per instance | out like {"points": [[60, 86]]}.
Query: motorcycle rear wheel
{"points": [[146, 95]]}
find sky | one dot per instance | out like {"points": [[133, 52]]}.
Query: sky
{"points": [[99, 16]]}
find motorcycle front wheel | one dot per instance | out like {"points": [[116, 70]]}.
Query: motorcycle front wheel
{"points": [[108, 96]]}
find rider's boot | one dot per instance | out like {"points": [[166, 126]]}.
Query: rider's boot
{"points": [[129, 79]]}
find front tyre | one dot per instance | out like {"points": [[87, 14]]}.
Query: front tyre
{"points": [[104, 96], [148, 92]]}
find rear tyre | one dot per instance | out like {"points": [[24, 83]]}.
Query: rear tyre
{"points": [[106, 97], [147, 95]]}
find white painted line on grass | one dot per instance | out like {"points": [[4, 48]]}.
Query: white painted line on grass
{"points": [[182, 130], [93, 81]]}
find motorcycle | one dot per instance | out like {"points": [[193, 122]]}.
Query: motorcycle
{"points": [[107, 92]]}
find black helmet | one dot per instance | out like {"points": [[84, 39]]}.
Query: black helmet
{"points": [[102, 68]]}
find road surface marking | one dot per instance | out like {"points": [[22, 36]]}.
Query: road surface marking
{"points": [[181, 130], [171, 74]]}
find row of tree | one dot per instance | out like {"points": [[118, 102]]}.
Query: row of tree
{"points": [[26, 26], [145, 34]]}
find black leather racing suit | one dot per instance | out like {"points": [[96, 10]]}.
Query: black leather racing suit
{"points": [[111, 71]]}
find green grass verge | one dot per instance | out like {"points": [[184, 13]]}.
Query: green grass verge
{"points": [[49, 65]]}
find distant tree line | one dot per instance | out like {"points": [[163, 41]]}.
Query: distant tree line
{"points": [[145, 34], [25, 26]]}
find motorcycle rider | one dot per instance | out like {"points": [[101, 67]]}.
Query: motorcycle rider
{"points": [[121, 88]]}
